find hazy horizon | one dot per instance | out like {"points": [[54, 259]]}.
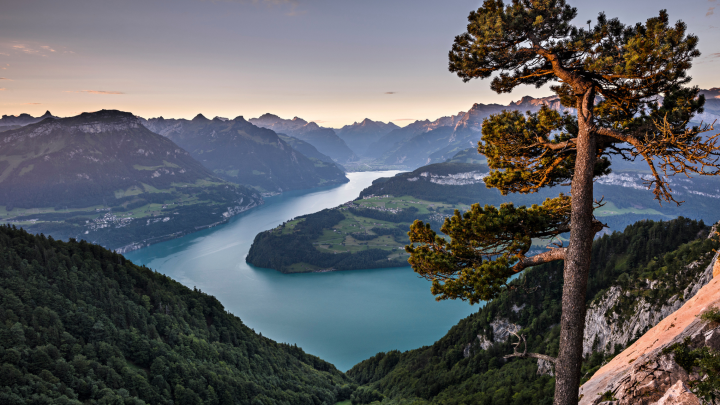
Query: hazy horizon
{"points": [[332, 62]]}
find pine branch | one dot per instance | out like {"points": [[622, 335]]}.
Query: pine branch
{"points": [[546, 257], [525, 354]]}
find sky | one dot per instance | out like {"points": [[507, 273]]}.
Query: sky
{"points": [[334, 62]]}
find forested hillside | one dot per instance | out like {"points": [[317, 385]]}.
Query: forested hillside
{"points": [[104, 177], [466, 366], [81, 324]]}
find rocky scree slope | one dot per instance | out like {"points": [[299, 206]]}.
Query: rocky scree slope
{"points": [[243, 153], [467, 365]]}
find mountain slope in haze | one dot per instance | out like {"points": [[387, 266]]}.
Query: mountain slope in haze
{"points": [[82, 325], [324, 139], [399, 135], [425, 142], [8, 122], [360, 135], [307, 149], [243, 153], [106, 178]]}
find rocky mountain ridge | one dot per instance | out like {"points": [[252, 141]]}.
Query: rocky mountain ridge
{"points": [[324, 139], [105, 178], [425, 142], [361, 135], [12, 121], [240, 152]]}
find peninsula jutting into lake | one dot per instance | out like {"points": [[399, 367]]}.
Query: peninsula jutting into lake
{"points": [[292, 202]]}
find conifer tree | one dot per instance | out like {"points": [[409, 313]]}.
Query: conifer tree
{"points": [[627, 88]]}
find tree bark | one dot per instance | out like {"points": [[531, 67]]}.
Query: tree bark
{"points": [[577, 258]]}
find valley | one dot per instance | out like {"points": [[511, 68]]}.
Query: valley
{"points": [[371, 231], [285, 202]]}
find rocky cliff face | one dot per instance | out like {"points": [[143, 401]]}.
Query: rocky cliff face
{"points": [[604, 328], [501, 331], [643, 374]]}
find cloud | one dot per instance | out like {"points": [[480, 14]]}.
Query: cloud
{"points": [[3, 89], [31, 103], [23, 48], [710, 11], [28, 48], [95, 91], [390, 92], [5, 78]]}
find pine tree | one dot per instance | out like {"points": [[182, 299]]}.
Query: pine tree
{"points": [[628, 88]]}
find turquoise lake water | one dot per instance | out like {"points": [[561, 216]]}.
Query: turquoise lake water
{"points": [[343, 317]]}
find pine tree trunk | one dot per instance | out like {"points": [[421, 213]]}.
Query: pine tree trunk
{"points": [[577, 260]]}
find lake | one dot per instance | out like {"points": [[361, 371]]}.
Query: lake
{"points": [[343, 317]]}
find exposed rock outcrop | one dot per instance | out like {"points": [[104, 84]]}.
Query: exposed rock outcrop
{"points": [[545, 368], [642, 374], [604, 329], [501, 330], [679, 394]]}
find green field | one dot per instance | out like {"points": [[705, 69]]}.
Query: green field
{"points": [[357, 233]]}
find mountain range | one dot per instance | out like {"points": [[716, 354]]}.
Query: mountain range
{"points": [[243, 153], [324, 139], [8, 122], [361, 135], [106, 178]]}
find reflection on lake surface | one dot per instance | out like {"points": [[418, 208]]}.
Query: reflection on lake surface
{"points": [[343, 317]]}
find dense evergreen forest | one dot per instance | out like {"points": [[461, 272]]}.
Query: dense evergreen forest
{"points": [[453, 372], [80, 324]]}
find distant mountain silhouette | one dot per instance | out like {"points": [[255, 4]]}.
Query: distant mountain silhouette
{"points": [[324, 139], [361, 135], [243, 153]]}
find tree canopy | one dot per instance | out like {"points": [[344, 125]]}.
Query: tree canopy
{"points": [[624, 88]]}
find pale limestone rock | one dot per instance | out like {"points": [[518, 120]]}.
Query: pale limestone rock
{"points": [[641, 374], [608, 331], [545, 368], [679, 394]]}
